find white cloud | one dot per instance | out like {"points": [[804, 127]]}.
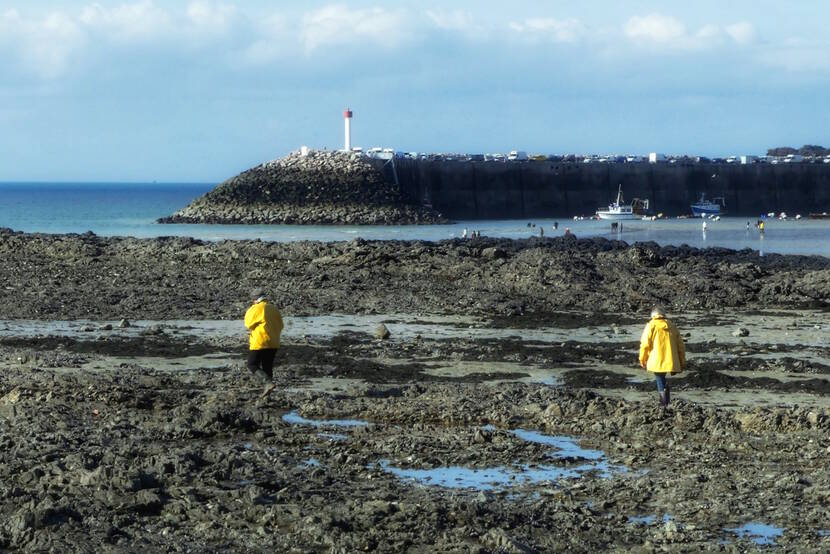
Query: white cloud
{"points": [[655, 28], [457, 20], [44, 46], [558, 30], [337, 25], [50, 45], [670, 32], [710, 33], [211, 18], [128, 22], [742, 32], [270, 44]]}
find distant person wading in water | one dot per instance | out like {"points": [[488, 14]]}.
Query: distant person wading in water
{"points": [[662, 351], [265, 325]]}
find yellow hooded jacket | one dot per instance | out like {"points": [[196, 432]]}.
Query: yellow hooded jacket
{"points": [[661, 348], [265, 323]]}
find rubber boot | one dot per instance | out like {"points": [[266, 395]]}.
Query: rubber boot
{"points": [[268, 390], [663, 402], [668, 396]]}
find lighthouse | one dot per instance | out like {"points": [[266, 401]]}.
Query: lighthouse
{"points": [[347, 118]]}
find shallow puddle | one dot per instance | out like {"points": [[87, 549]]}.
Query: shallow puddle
{"points": [[484, 479], [296, 419], [401, 326], [759, 533], [566, 447], [812, 329], [502, 477]]}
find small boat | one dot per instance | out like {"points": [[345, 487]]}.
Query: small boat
{"points": [[822, 215], [618, 210], [703, 207]]}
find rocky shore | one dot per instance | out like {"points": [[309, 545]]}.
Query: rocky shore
{"points": [[315, 189], [503, 411], [91, 277]]}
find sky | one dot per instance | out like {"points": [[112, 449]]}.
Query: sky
{"points": [[196, 91]]}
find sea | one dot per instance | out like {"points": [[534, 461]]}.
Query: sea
{"points": [[131, 209]]}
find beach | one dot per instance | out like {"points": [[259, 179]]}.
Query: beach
{"points": [[533, 277], [506, 411]]}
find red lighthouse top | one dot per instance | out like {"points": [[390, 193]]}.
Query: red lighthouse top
{"points": [[347, 113]]}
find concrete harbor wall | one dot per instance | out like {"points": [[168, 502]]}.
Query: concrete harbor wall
{"points": [[485, 190]]}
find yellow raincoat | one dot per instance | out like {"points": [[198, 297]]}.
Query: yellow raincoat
{"points": [[265, 323], [661, 348]]}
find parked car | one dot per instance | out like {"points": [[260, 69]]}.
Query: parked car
{"points": [[517, 156]]}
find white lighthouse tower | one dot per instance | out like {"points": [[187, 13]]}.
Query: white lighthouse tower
{"points": [[347, 117]]}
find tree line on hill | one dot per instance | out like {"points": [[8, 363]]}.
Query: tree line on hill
{"points": [[806, 150]]}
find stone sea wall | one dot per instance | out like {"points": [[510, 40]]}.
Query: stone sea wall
{"points": [[320, 188], [496, 190], [340, 188]]}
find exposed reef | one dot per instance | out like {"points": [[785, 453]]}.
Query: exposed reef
{"points": [[86, 276]]}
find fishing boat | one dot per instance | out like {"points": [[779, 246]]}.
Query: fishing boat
{"points": [[619, 210], [705, 208]]}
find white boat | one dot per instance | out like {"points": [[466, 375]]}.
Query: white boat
{"points": [[704, 208], [618, 210]]}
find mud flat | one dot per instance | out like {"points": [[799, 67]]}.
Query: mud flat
{"points": [[452, 435], [501, 415]]}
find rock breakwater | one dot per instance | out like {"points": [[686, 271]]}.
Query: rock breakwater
{"points": [[318, 188]]}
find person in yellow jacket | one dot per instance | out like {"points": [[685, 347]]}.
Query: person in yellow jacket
{"points": [[264, 322], [662, 351]]}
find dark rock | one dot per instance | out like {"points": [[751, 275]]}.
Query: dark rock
{"points": [[382, 332]]}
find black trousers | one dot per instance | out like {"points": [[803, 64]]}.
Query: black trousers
{"points": [[261, 363]]}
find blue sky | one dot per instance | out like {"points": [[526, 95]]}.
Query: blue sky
{"points": [[199, 90]]}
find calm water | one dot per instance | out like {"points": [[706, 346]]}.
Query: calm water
{"points": [[121, 209]]}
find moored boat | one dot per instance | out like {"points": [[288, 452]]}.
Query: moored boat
{"points": [[619, 210], [705, 208]]}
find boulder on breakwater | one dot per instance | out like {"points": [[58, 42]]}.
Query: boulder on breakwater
{"points": [[322, 187]]}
